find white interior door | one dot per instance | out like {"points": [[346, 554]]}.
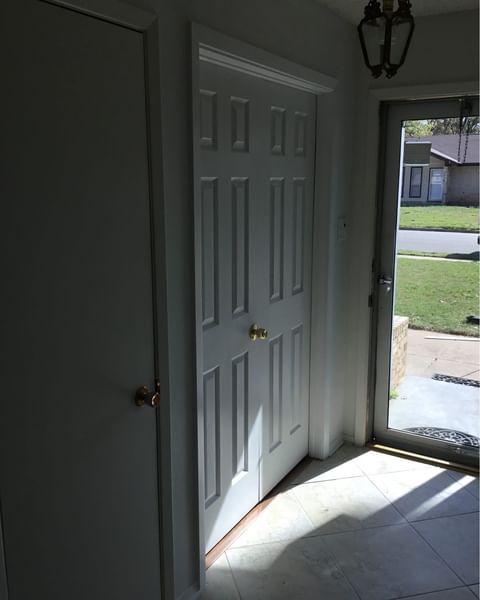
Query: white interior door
{"points": [[78, 459], [255, 148]]}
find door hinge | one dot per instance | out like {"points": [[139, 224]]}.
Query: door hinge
{"points": [[370, 300]]}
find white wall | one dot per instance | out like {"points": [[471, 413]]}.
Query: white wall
{"points": [[301, 31], [443, 56]]}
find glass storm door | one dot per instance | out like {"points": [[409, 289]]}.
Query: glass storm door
{"points": [[426, 349]]}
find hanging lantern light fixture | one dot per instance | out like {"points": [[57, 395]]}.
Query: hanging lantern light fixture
{"points": [[385, 36]]}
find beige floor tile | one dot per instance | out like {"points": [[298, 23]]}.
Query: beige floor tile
{"points": [[425, 494], [462, 593], [372, 463], [345, 504], [467, 482], [340, 465], [219, 582], [300, 570], [283, 519], [389, 562], [455, 539]]}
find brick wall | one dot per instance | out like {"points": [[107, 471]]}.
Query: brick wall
{"points": [[399, 351]]}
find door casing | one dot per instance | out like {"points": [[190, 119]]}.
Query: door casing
{"points": [[213, 47]]}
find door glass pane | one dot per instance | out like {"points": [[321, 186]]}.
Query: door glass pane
{"points": [[436, 185], [434, 366], [415, 182]]}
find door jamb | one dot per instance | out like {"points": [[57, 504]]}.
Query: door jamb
{"points": [[364, 405], [119, 13], [213, 47]]}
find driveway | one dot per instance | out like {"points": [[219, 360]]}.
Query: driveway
{"points": [[438, 241]]}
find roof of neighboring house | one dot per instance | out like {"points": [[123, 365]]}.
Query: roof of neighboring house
{"points": [[446, 146]]}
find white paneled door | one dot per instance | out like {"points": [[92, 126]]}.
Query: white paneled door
{"points": [[255, 166]]}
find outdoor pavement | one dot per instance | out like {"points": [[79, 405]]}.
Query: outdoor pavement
{"points": [[425, 402], [429, 352]]}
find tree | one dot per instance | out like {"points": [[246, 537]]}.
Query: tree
{"points": [[470, 125], [417, 128]]}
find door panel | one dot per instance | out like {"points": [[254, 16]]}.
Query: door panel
{"points": [[78, 460], [228, 187], [255, 187], [282, 298]]}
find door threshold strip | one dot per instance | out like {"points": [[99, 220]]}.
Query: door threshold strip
{"points": [[429, 460]]}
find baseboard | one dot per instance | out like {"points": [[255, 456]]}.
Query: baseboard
{"points": [[336, 444]]}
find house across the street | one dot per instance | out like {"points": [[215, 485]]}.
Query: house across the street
{"points": [[440, 169]]}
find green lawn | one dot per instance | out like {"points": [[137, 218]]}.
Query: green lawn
{"points": [[455, 218], [438, 294]]}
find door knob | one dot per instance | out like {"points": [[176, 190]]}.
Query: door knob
{"points": [[144, 397], [257, 333]]}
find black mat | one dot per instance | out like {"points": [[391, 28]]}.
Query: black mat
{"points": [[458, 380], [447, 435]]}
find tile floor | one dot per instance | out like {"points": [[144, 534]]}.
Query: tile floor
{"points": [[361, 525]]}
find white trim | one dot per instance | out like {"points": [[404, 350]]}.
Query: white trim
{"points": [[227, 52], [430, 91], [113, 11], [321, 368]]}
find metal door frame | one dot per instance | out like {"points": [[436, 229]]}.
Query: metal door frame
{"points": [[392, 114]]}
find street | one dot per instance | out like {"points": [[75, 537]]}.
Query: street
{"points": [[438, 241]]}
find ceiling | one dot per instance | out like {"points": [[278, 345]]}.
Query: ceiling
{"points": [[352, 10]]}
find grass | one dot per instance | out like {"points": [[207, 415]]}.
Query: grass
{"points": [[438, 295], [449, 218]]}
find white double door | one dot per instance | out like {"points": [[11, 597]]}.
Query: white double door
{"points": [[255, 165]]}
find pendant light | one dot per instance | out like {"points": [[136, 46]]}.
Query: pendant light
{"points": [[385, 36]]}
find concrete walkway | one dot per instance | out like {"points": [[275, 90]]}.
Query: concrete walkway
{"points": [[429, 352]]}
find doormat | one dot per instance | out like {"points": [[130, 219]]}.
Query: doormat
{"points": [[458, 380], [447, 435]]}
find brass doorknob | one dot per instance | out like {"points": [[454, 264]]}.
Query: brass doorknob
{"points": [[257, 333], [143, 397]]}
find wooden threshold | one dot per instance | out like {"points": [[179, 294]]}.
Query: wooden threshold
{"points": [[240, 527]]}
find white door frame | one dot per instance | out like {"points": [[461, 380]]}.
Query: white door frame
{"points": [[215, 48], [145, 23], [366, 180]]}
